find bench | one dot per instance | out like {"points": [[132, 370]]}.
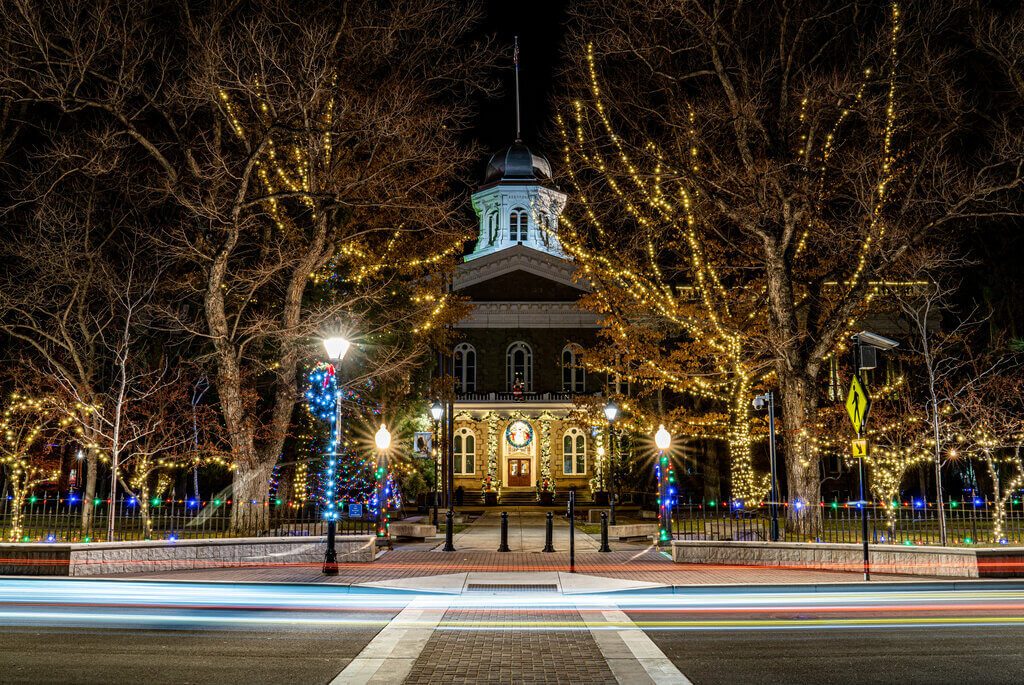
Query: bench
{"points": [[633, 531], [412, 531]]}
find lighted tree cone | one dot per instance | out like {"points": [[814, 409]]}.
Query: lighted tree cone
{"points": [[746, 188]]}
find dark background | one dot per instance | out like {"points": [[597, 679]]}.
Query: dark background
{"points": [[541, 28]]}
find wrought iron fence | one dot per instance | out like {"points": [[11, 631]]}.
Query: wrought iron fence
{"points": [[968, 522], [58, 518]]}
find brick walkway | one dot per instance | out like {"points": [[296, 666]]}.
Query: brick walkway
{"points": [[507, 654], [636, 563]]}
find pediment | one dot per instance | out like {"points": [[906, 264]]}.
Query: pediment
{"points": [[519, 273]]}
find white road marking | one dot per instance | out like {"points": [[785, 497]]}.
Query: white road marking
{"points": [[632, 656], [391, 654]]}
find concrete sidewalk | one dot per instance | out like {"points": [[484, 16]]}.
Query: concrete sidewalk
{"points": [[645, 565], [410, 566], [526, 530]]}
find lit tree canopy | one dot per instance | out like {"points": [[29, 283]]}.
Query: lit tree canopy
{"points": [[781, 161]]}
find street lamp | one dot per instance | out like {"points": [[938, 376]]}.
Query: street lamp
{"points": [[436, 412], [767, 400], [336, 348], [611, 412], [383, 440], [663, 440]]}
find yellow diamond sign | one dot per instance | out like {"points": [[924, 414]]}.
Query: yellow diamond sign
{"points": [[858, 404]]}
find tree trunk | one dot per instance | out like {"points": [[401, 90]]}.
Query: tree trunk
{"points": [[803, 515], [89, 494], [249, 496], [712, 491], [18, 492]]}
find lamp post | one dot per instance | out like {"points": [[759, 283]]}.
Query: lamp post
{"points": [[383, 441], [663, 440], [760, 402], [336, 348], [611, 412], [436, 412]]}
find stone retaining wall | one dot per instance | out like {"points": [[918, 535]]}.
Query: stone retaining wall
{"points": [[95, 558], [958, 562]]}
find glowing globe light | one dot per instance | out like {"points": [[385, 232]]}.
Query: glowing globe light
{"points": [[382, 438], [336, 347], [437, 410], [611, 411], [663, 439]]}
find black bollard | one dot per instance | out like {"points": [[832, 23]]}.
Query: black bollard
{"points": [[549, 528], [572, 531], [449, 529], [503, 547], [604, 533]]}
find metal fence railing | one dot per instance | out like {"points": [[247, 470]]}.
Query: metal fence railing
{"points": [[58, 518], [968, 522]]}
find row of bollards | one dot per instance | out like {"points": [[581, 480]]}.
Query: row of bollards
{"points": [[549, 526]]}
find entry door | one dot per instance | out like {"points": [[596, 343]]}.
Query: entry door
{"points": [[518, 472]]}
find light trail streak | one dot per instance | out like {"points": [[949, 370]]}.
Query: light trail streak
{"points": [[173, 605]]}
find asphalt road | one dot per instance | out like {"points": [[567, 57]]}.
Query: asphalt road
{"points": [[96, 631], [118, 655], [906, 656]]}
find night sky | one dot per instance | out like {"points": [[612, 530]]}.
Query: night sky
{"points": [[540, 27]]}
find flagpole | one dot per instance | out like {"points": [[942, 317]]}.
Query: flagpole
{"points": [[515, 58]]}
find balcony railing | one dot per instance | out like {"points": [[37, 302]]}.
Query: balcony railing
{"points": [[516, 397]]}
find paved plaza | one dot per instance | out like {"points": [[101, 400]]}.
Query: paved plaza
{"points": [[511, 617]]}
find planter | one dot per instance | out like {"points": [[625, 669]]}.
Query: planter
{"points": [[601, 498], [491, 499], [547, 498]]}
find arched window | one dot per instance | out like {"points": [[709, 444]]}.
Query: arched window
{"points": [[492, 227], [518, 225], [465, 367], [519, 366], [573, 374], [465, 452], [574, 452]]}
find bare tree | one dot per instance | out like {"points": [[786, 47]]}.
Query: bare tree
{"points": [[300, 164], [991, 428], [791, 156], [63, 285]]}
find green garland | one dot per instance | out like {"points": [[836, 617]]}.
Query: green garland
{"points": [[492, 452], [545, 453]]}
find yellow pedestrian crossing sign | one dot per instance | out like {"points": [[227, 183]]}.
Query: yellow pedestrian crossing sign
{"points": [[859, 447], [858, 404]]}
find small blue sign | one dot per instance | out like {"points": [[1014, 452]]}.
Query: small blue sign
{"points": [[355, 511]]}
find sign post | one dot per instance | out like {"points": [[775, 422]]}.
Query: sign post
{"points": [[858, 404]]}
